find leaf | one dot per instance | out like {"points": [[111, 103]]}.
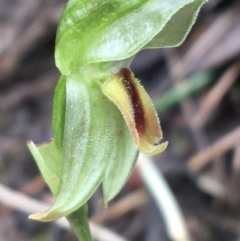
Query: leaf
{"points": [[47, 157], [49, 163], [95, 136], [91, 32], [59, 108]]}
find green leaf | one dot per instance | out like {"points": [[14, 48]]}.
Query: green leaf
{"points": [[94, 31], [49, 162], [95, 139], [59, 108]]}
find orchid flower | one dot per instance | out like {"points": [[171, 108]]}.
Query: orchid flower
{"points": [[102, 116]]}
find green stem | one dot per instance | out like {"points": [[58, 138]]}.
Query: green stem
{"points": [[79, 222]]}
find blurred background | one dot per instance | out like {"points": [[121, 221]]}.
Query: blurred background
{"points": [[196, 90]]}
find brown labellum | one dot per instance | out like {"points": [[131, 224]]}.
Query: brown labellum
{"points": [[126, 92]]}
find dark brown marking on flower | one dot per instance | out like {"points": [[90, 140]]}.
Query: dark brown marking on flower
{"points": [[42, 144], [138, 111], [160, 142]]}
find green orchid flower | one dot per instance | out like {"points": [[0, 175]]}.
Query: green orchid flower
{"points": [[102, 115]]}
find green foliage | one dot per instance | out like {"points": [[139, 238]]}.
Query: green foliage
{"points": [[59, 110], [49, 162]]}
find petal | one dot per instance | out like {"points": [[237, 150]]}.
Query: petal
{"points": [[95, 138], [93, 32], [126, 92]]}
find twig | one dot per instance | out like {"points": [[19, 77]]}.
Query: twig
{"points": [[181, 91], [200, 54], [34, 186], [215, 150], [40, 86], [211, 186], [178, 74], [213, 98], [28, 205], [30, 23], [164, 199], [236, 159], [132, 201]]}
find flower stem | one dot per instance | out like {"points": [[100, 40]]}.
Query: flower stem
{"points": [[79, 222]]}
